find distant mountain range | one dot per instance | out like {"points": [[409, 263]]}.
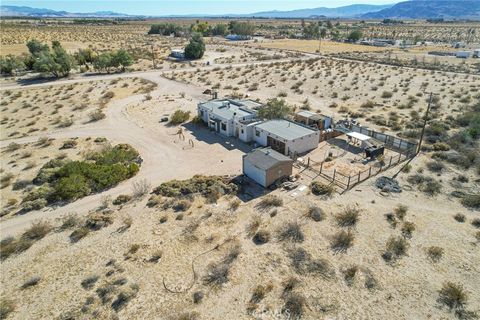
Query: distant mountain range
{"points": [[418, 9], [414, 9], [351, 11], [17, 11]]}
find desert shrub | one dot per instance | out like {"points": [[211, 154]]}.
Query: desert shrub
{"points": [[407, 229], [476, 222], [386, 94], [370, 281], [315, 213], [10, 245], [341, 241], [270, 201], [21, 184], [253, 225], [89, 282], [400, 211], [367, 105], [96, 115], [69, 221], [69, 144], [431, 188], [396, 247], [441, 146], [259, 293], [459, 217], [179, 117], [234, 204], [7, 306], [294, 306], [261, 237], [121, 199], [435, 166], [349, 274], [33, 281], [71, 180], [12, 146], [79, 234], [452, 295], [203, 185], [320, 189], [291, 232], [197, 297], [178, 204], [36, 204], [471, 201], [303, 263], [218, 273], [435, 253], [141, 188], [349, 217]]}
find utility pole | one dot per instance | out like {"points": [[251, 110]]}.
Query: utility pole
{"points": [[425, 122], [153, 57]]}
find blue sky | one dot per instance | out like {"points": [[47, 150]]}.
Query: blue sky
{"points": [[172, 7]]}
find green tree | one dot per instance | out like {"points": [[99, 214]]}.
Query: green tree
{"points": [[241, 28], [311, 30], [85, 56], [202, 28], [55, 61], [103, 62], [195, 48], [275, 109], [220, 29], [11, 65], [35, 47], [122, 59], [355, 35]]}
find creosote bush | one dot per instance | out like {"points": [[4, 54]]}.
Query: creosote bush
{"points": [[10, 245], [291, 232], [349, 217], [395, 248], [315, 213], [179, 117], [270, 201], [341, 241], [435, 253], [320, 189], [452, 295]]}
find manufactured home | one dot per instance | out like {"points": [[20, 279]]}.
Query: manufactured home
{"points": [[463, 54], [265, 166]]}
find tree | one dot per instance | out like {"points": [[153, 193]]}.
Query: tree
{"points": [[122, 59], [355, 35], [85, 56], [35, 47], [55, 61], [103, 62], [241, 28], [195, 48], [11, 65], [220, 29], [311, 31], [274, 109], [201, 27]]}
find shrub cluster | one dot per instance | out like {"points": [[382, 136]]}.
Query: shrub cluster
{"points": [[62, 180]]}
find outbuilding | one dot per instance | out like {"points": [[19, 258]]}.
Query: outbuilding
{"points": [[265, 166], [316, 120], [287, 137]]}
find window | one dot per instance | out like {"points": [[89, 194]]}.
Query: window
{"points": [[201, 113], [257, 133], [224, 127], [242, 131]]}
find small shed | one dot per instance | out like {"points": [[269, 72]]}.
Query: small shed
{"points": [[177, 53], [265, 166], [309, 118]]}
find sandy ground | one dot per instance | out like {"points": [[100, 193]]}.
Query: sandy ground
{"points": [[406, 290]]}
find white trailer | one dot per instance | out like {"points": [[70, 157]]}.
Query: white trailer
{"points": [[463, 54], [476, 53]]}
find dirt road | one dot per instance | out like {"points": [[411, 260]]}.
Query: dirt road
{"points": [[165, 157]]}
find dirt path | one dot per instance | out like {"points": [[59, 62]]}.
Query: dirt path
{"points": [[164, 158]]}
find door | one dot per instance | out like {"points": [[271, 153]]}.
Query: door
{"points": [[276, 145]]}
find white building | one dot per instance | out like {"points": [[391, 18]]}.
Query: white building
{"points": [[177, 53], [265, 166], [286, 137], [228, 117]]}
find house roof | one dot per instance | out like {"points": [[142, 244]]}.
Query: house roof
{"points": [[228, 109], [266, 158], [285, 129], [311, 115]]}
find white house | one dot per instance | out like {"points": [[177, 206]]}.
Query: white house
{"points": [[286, 137], [225, 116]]}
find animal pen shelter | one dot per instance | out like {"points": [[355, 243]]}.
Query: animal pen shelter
{"points": [[372, 153]]}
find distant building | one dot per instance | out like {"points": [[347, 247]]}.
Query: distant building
{"points": [[265, 166], [177, 53], [286, 137], [463, 54], [316, 120], [237, 37]]}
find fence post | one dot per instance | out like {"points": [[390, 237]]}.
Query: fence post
{"points": [[308, 162], [390, 163], [321, 166], [359, 176], [348, 183], [399, 158], [369, 171], [334, 172]]}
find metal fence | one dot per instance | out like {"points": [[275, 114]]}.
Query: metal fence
{"points": [[391, 142]]}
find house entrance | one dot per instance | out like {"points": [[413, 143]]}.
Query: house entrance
{"points": [[276, 145]]}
